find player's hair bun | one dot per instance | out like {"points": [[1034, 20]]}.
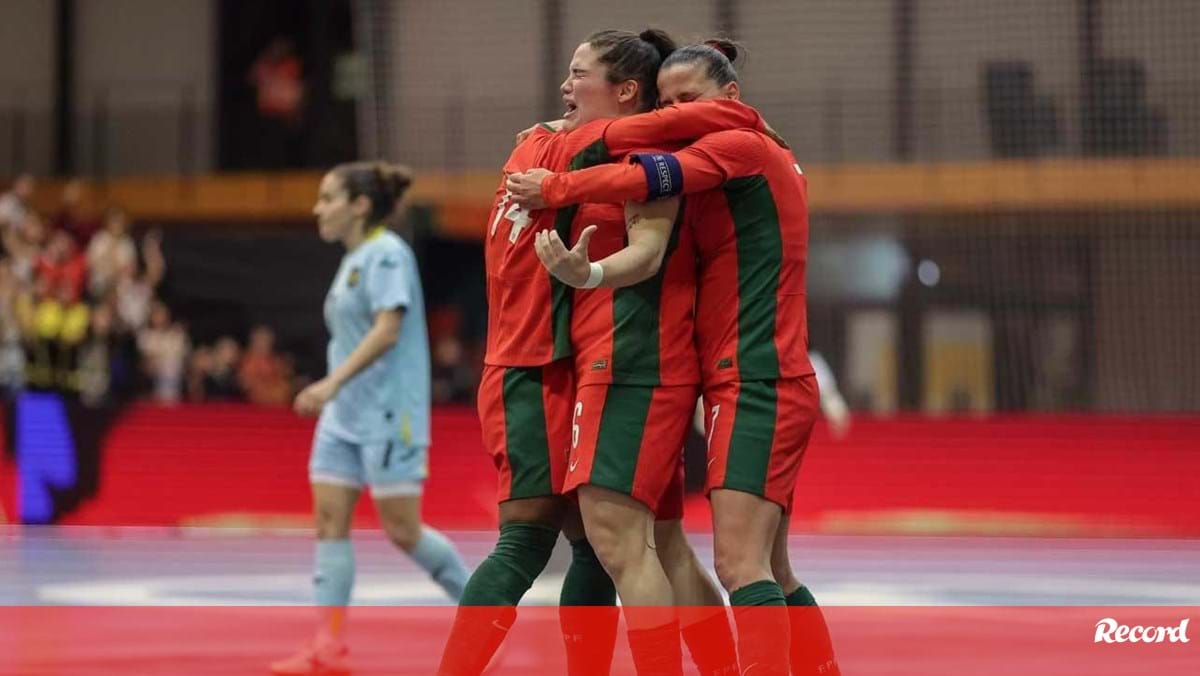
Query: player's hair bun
{"points": [[662, 41], [729, 48], [381, 182], [395, 178]]}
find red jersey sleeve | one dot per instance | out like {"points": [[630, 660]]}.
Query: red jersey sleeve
{"points": [[605, 183], [706, 164], [717, 158], [679, 123]]}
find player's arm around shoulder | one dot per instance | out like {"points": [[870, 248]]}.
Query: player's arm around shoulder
{"points": [[706, 164]]}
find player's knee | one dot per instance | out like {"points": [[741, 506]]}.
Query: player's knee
{"points": [[725, 566], [331, 522], [620, 533], [781, 570], [606, 541], [615, 545], [404, 533], [671, 545], [737, 568]]}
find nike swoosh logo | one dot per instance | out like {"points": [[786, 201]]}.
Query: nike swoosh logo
{"points": [[711, 461], [571, 467]]}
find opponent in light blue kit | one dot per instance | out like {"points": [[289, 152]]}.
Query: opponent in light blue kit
{"points": [[375, 431], [374, 403]]}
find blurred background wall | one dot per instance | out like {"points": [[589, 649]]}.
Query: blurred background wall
{"points": [[1003, 195]]}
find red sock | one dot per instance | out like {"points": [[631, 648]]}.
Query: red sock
{"points": [[710, 641], [812, 647], [589, 635], [656, 651], [477, 633]]}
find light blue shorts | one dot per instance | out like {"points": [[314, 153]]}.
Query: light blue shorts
{"points": [[390, 468]]}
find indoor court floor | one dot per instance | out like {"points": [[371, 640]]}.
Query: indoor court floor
{"points": [[167, 600]]}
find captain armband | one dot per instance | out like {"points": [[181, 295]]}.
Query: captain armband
{"points": [[664, 175]]}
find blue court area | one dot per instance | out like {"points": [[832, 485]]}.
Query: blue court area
{"points": [[124, 566]]}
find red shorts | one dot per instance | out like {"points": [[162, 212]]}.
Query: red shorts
{"points": [[526, 418], [670, 505], [629, 439], [757, 432]]}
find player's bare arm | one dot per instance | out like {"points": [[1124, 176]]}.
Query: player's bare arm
{"points": [[649, 225], [382, 336]]}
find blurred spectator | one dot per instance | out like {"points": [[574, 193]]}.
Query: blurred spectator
{"points": [[12, 353], [453, 375], [24, 245], [63, 266], [59, 325], [276, 77], [75, 215], [221, 381], [15, 204], [452, 380], [163, 345], [134, 291], [110, 251], [214, 372], [263, 374], [95, 364], [198, 367]]}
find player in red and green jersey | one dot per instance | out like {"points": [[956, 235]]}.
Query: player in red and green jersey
{"points": [[527, 393], [747, 205]]}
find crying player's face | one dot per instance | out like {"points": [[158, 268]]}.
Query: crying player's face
{"points": [[335, 215]]}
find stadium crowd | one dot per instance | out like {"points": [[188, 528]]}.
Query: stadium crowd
{"points": [[81, 313]]}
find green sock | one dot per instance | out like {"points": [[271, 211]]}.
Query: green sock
{"points": [[761, 593], [588, 613], [586, 583], [486, 609], [812, 648], [801, 597], [509, 571], [763, 628]]}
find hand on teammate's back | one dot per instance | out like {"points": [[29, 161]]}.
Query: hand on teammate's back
{"points": [[526, 188], [555, 125]]}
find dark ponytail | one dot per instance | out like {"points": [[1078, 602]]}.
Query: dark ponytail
{"points": [[382, 183], [634, 56], [662, 41], [728, 47], [717, 55]]}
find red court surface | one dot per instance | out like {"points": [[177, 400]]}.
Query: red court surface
{"points": [[892, 641]]}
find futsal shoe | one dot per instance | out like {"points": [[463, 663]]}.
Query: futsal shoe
{"points": [[319, 658]]}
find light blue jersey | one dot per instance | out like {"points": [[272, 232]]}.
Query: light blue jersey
{"points": [[389, 400]]}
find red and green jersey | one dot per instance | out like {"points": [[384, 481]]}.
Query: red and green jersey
{"points": [[747, 207], [530, 313], [640, 334]]}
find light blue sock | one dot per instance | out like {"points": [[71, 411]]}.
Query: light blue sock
{"points": [[441, 560], [333, 576]]}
